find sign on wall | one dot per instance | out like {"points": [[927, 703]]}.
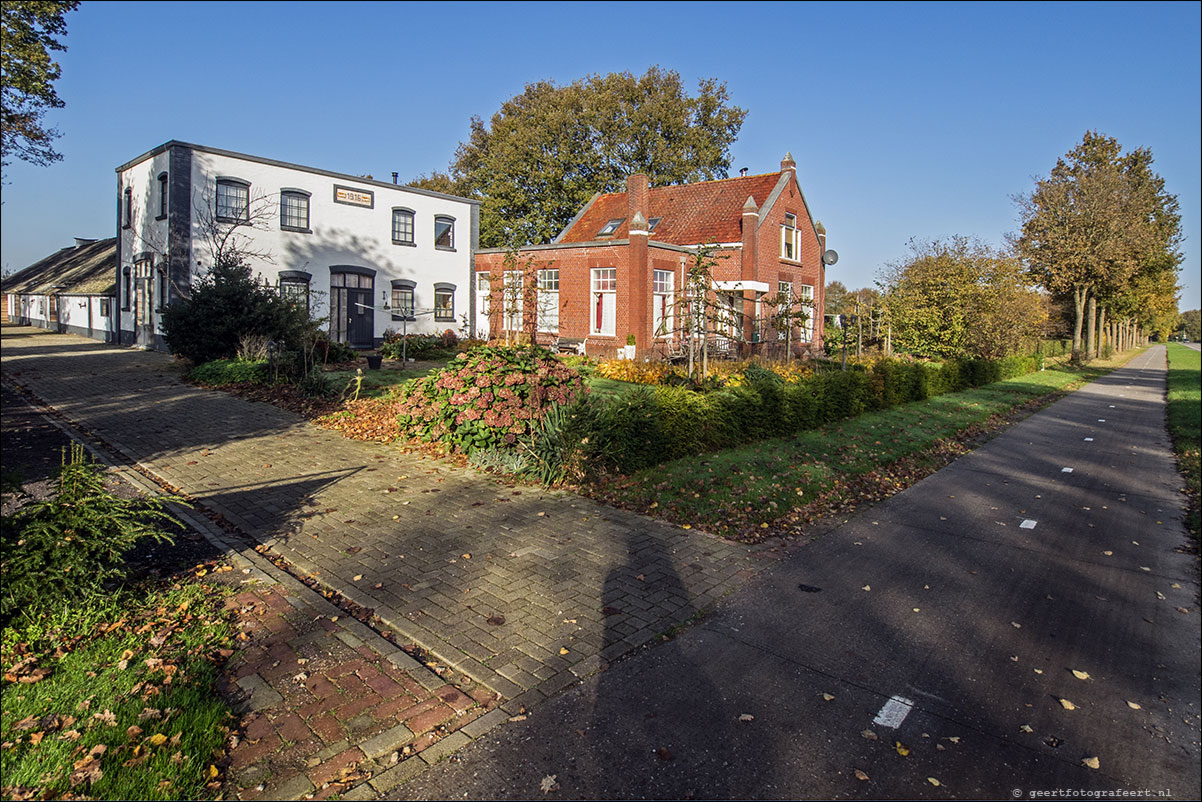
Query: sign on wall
{"points": [[354, 197]]}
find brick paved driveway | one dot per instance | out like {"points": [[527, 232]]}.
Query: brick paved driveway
{"points": [[441, 553]]}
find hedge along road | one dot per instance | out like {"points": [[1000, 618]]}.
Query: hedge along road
{"points": [[1019, 622]]}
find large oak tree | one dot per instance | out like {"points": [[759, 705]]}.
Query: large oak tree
{"points": [[548, 150]]}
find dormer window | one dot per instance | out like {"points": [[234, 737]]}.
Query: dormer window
{"points": [[652, 223], [610, 227]]}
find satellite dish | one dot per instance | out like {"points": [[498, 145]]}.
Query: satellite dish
{"points": [[829, 257]]}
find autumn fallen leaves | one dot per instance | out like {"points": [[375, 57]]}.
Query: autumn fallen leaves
{"points": [[115, 699]]}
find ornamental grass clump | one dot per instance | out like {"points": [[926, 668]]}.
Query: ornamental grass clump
{"points": [[488, 397]]}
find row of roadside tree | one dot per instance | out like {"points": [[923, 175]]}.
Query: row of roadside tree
{"points": [[1097, 256]]}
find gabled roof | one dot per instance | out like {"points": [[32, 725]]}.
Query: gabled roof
{"points": [[691, 214], [89, 268]]}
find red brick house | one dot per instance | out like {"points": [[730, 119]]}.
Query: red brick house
{"points": [[619, 268]]}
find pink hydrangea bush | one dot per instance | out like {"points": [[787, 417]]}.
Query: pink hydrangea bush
{"points": [[487, 397]]}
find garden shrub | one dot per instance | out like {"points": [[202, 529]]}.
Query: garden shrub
{"points": [[418, 346], [486, 398], [327, 351], [500, 460], [70, 546], [317, 384], [219, 372], [225, 306], [685, 420], [625, 434], [554, 453]]}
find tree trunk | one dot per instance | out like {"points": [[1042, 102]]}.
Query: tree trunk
{"points": [[1079, 294], [859, 334], [1091, 345], [1102, 341]]}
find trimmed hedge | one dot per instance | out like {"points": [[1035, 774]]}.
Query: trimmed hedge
{"points": [[649, 425]]}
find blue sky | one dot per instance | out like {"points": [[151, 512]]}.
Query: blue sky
{"points": [[906, 120]]}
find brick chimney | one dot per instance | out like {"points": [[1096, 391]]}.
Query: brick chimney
{"points": [[634, 283], [751, 222], [748, 264], [637, 189]]}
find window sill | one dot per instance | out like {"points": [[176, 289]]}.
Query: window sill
{"points": [[296, 230], [789, 261], [410, 318], [406, 243], [444, 248], [445, 319], [232, 220], [161, 217]]}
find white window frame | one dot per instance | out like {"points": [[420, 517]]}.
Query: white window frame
{"points": [[484, 294], [790, 242], [663, 290], [548, 300], [603, 301], [806, 294], [785, 289], [512, 300]]}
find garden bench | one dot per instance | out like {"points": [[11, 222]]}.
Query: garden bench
{"points": [[569, 345]]}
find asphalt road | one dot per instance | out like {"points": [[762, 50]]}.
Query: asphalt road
{"points": [[949, 620]]}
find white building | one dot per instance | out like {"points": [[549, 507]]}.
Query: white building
{"points": [[367, 254], [71, 290]]}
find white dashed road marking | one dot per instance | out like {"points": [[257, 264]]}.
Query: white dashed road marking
{"points": [[894, 712]]}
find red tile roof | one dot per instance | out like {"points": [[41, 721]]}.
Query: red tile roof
{"points": [[693, 214]]}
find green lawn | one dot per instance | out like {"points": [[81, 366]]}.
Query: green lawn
{"points": [[127, 707], [601, 387], [378, 383], [1185, 421], [775, 485]]}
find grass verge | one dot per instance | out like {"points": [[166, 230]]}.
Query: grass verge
{"points": [[1185, 423], [776, 486], [115, 698]]}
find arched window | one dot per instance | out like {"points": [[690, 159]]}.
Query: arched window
{"points": [[162, 197], [444, 232], [294, 210], [402, 226]]}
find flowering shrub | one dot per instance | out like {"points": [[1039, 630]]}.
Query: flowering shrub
{"points": [[487, 397]]}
